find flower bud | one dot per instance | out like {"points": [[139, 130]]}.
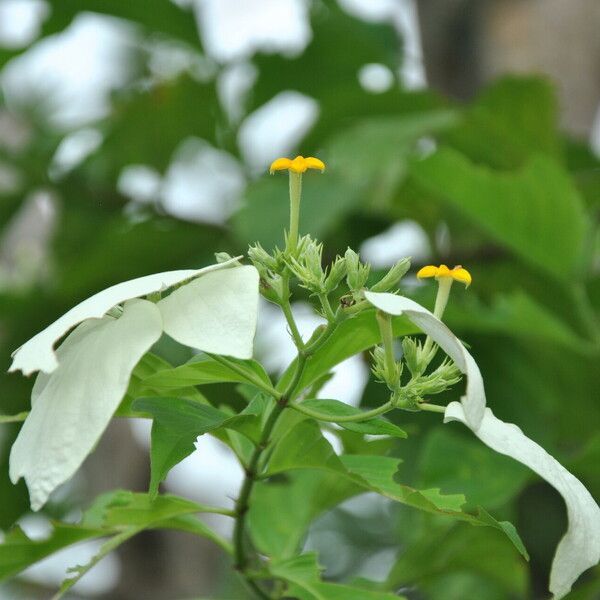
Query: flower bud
{"points": [[337, 272], [357, 272], [259, 256], [393, 276]]}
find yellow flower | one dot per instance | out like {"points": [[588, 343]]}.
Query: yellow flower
{"points": [[458, 273], [298, 165]]}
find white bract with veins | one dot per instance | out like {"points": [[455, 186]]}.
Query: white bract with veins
{"points": [[83, 382], [579, 549]]}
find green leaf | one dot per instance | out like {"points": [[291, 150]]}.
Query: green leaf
{"points": [[303, 574], [321, 590], [517, 314], [441, 549], [351, 337], [173, 108], [202, 370], [379, 474], [304, 447], [282, 508], [483, 476], [149, 365], [107, 547], [335, 408], [177, 424], [372, 153], [167, 19], [136, 512], [17, 551], [512, 119], [536, 211], [124, 508]]}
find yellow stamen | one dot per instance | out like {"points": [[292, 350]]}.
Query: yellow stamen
{"points": [[457, 273], [298, 165]]}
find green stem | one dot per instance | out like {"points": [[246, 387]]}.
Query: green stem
{"points": [[441, 300], [289, 316], [384, 321], [329, 314], [365, 416], [268, 389], [295, 196], [252, 475], [14, 418], [432, 407]]}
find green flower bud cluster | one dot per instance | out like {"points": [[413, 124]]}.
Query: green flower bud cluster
{"points": [[416, 356], [438, 381], [385, 373], [411, 395], [307, 267]]}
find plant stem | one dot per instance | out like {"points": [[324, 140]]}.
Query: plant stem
{"points": [[365, 416], [443, 293], [432, 407], [14, 418], [289, 316], [329, 314], [387, 338], [295, 196], [252, 475]]}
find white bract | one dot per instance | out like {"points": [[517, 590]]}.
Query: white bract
{"points": [[579, 549], [474, 399], [82, 383], [38, 353]]}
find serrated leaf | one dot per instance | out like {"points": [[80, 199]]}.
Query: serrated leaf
{"points": [[380, 475], [177, 423], [303, 574], [17, 551], [136, 512]]}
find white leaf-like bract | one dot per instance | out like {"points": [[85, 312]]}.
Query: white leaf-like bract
{"points": [[474, 399], [216, 312], [38, 353], [579, 549], [74, 405]]}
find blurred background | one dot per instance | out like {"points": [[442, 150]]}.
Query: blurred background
{"points": [[135, 137]]}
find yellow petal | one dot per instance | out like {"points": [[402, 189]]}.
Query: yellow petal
{"points": [[443, 271], [280, 164], [428, 271], [315, 163], [298, 165], [462, 275]]}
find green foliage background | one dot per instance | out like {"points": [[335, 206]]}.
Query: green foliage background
{"points": [[521, 202]]}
